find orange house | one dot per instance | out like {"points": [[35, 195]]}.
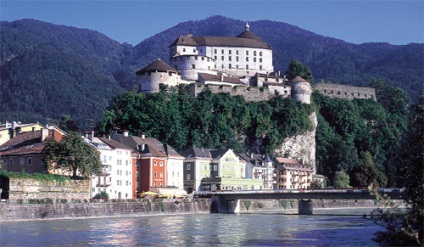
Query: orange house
{"points": [[24, 152], [151, 161]]}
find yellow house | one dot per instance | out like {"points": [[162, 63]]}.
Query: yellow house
{"points": [[10, 130]]}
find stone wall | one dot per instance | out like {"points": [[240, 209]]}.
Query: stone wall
{"points": [[345, 91], [13, 212], [23, 189]]}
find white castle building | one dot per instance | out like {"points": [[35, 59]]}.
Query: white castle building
{"points": [[240, 61]]}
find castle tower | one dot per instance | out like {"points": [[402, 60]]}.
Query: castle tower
{"points": [[154, 74], [301, 90]]}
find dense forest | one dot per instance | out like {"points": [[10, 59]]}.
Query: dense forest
{"points": [[48, 70], [360, 137]]}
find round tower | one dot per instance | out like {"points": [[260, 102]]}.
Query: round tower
{"points": [[156, 73], [301, 90]]}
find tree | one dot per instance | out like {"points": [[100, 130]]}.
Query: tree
{"points": [[67, 124], [72, 155], [341, 180], [296, 68], [316, 184], [101, 195]]}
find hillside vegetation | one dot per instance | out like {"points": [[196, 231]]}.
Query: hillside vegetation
{"points": [[48, 70]]}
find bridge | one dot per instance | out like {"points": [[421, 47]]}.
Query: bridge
{"points": [[229, 201]]}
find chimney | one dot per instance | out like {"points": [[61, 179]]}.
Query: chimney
{"points": [[44, 134], [143, 135], [126, 133]]}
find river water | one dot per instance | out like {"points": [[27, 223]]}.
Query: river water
{"points": [[256, 229]]}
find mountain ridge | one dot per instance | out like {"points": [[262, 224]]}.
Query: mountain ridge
{"points": [[99, 67]]}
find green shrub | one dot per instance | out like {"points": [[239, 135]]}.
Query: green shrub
{"points": [[101, 195], [247, 204]]}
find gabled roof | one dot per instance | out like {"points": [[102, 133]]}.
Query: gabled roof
{"points": [[205, 153], [282, 160], [24, 143], [153, 147], [157, 66]]}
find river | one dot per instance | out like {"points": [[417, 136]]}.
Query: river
{"points": [[256, 229]]}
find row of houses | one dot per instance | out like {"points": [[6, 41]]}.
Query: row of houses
{"points": [[135, 164]]}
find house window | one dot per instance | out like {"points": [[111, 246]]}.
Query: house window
{"points": [[229, 65], [229, 58], [188, 176], [215, 52], [161, 174], [260, 67], [247, 59], [247, 66], [247, 52], [260, 60], [237, 52], [237, 59], [21, 161], [119, 162], [155, 174], [183, 49], [10, 162], [195, 58], [155, 163], [260, 53], [29, 161], [214, 58], [222, 51], [193, 66], [188, 167], [254, 53], [215, 167], [161, 163], [222, 58], [126, 162], [194, 50], [201, 50]]}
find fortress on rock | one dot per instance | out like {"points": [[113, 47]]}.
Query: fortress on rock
{"points": [[240, 65]]}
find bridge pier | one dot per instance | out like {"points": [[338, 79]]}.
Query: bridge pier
{"points": [[220, 205], [305, 207]]}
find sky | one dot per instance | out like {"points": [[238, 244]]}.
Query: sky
{"points": [[397, 22]]}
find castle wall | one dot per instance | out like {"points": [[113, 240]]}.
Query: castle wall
{"points": [[345, 92]]}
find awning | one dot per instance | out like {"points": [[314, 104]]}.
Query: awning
{"points": [[169, 192]]}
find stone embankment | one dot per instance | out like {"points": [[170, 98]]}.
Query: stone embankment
{"points": [[25, 212], [28, 212]]}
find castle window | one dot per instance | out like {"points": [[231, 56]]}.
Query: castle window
{"points": [[215, 51], [222, 51], [254, 53], [237, 59], [222, 58], [229, 58], [236, 52], [247, 52], [193, 66], [229, 52], [260, 60], [260, 53], [254, 59], [247, 59]]}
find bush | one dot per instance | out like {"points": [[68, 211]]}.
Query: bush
{"points": [[101, 195]]}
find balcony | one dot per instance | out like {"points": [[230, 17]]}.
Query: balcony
{"points": [[103, 185]]}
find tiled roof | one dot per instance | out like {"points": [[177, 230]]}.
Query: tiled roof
{"points": [[152, 145], [298, 79], [114, 144], [282, 160], [220, 42], [159, 66], [24, 143], [197, 153], [210, 77]]}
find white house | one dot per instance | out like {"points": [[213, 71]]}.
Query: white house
{"points": [[116, 178]]}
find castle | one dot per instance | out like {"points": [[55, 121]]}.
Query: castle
{"points": [[240, 65]]}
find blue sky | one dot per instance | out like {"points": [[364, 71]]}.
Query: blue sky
{"points": [[355, 21]]}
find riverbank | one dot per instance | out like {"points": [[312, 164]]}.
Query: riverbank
{"points": [[33, 212]]}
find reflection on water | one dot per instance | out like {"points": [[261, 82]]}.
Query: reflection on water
{"points": [[194, 230]]}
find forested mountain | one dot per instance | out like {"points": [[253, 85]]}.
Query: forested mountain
{"points": [[48, 70]]}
